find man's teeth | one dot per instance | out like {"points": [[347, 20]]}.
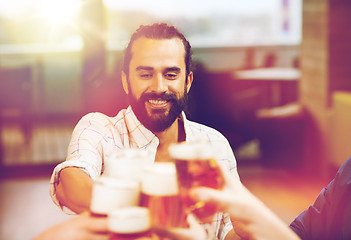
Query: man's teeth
{"points": [[157, 101]]}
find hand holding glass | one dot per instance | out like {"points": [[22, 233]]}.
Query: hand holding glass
{"points": [[197, 167]]}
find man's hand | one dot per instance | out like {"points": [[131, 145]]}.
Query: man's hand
{"points": [[82, 227], [194, 232], [251, 218]]}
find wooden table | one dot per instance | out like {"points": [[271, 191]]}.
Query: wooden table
{"points": [[275, 77]]}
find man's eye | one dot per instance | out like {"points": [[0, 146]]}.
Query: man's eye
{"points": [[171, 76], [145, 76]]}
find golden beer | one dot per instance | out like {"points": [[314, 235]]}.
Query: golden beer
{"points": [[109, 193], [129, 223], [196, 167], [159, 192]]}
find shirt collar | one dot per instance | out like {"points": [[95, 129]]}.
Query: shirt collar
{"points": [[189, 135], [137, 131]]}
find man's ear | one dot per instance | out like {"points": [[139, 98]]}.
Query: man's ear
{"points": [[189, 81], [124, 82]]}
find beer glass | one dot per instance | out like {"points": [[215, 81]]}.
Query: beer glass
{"points": [[127, 163], [159, 192], [196, 167], [129, 223], [110, 193]]}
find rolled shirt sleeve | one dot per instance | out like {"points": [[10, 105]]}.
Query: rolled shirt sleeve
{"points": [[84, 151]]}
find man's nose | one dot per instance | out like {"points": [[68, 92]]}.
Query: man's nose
{"points": [[160, 84]]}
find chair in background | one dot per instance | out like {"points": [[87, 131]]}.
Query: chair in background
{"points": [[226, 105], [16, 99], [281, 135]]}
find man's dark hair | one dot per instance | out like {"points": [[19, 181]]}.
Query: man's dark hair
{"points": [[157, 31]]}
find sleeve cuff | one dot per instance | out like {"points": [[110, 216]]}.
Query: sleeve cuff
{"points": [[55, 179]]}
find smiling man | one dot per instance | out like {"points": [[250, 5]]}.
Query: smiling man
{"points": [[157, 82], [157, 78]]}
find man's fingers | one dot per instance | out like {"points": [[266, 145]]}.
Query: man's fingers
{"points": [[192, 221], [98, 225], [94, 224], [209, 195], [194, 232], [97, 237]]}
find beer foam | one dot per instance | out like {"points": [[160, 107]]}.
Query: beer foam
{"points": [[117, 183], [192, 150], [160, 179], [129, 220], [109, 194], [127, 163]]}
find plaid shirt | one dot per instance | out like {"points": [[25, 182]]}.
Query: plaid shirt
{"points": [[97, 135]]}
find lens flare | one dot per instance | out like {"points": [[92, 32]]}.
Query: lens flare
{"points": [[59, 12]]}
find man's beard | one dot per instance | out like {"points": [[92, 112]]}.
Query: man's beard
{"points": [[159, 120]]}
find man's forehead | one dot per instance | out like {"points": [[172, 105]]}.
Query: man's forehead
{"points": [[158, 53]]}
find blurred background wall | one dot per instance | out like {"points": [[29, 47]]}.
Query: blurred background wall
{"points": [[273, 76], [62, 59]]}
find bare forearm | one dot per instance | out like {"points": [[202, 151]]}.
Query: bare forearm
{"points": [[74, 189], [281, 230], [263, 224]]}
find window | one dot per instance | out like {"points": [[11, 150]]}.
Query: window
{"points": [[205, 23], [209, 23], [38, 22]]}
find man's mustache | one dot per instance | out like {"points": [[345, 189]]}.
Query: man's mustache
{"points": [[162, 96]]}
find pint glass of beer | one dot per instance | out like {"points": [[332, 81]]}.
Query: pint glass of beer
{"points": [[196, 167], [110, 193], [129, 223], [159, 192], [127, 163]]}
